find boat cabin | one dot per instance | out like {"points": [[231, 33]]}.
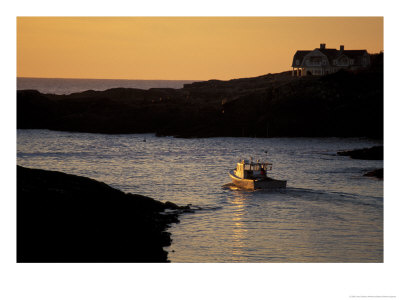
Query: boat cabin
{"points": [[249, 170]]}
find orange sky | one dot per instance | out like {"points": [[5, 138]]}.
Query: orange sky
{"points": [[180, 47]]}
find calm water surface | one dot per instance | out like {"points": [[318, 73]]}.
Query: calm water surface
{"points": [[68, 86], [328, 213]]}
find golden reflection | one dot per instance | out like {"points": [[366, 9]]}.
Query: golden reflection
{"points": [[239, 230]]}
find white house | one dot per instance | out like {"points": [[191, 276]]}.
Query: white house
{"points": [[322, 61]]}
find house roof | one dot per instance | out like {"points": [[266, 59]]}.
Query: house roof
{"points": [[330, 53], [299, 55], [354, 53]]}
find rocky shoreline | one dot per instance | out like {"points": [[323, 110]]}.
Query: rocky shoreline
{"points": [[378, 173], [343, 104], [373, 153], [68, 218]]}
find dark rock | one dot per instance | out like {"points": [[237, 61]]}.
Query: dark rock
{"points": [[378, 173], [171, 205], [68, 218], [373, 153], [341, 104]]}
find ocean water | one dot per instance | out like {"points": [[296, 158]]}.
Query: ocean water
{"points": [[328, 213], [62, 86]]}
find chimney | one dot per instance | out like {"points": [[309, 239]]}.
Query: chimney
{"points": [[341, 48], [321, 46]]}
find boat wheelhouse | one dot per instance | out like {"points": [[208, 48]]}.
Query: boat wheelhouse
{"points": [[253, 175]]}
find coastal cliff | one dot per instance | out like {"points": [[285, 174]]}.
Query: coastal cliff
{"points": [[68, 218], [273, 105]]}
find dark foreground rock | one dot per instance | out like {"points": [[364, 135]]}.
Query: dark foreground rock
{"points": [[373, 153], [68, 218], [378, 173], [273, 105]]}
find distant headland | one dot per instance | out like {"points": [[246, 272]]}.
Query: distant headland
{"points": [[347, 103]]}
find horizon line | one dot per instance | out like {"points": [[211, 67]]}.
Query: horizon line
{"points": [[81, 78], [232, 78]]}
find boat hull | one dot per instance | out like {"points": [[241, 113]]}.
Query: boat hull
{"points": [[255, 184]]}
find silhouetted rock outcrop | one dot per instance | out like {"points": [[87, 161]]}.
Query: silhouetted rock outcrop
{"points": [[373, 153], [340, 104], [68, 218], [378, 173]]}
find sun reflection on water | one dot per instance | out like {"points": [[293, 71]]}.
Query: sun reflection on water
{"points": [[239, 230]]}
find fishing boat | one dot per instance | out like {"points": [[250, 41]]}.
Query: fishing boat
{"points": [[253, 176]]}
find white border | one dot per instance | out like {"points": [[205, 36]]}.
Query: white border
{"points": [[196, 281]]}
